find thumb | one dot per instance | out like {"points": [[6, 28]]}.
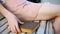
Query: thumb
{"points": [[20, 21]]}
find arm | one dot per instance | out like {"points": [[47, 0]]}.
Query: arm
{"points": [[13, 25], [5, 12]]}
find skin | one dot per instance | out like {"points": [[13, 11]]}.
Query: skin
{"points": [[12, 20], [30, 12]]}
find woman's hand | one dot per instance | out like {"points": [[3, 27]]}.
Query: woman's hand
{"points": [[12, 20], [13, 24]]}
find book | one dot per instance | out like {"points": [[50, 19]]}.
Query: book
{"points": [[29, 26]]}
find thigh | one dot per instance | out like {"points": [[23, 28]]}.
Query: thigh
{"points": [[48, 11]]}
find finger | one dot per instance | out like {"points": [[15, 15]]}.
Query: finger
{"points": [[9, 28], [20, 21], [14, 30], [17, 28]]}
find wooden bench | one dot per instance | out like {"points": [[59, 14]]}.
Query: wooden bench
{"points": [[27, 29]]}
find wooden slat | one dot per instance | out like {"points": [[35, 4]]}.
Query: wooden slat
{"points": [[1, 16], [49, 28], [41, 27], [4, 21], [3, 28], [5, 31]]}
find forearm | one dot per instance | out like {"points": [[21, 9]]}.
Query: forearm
{"points": [[5, 12]]}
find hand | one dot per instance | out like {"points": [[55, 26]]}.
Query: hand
{"points": [[13, 24], [12, 20]]}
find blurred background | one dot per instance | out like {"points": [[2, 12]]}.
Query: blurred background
{"points": [[43, 1]]}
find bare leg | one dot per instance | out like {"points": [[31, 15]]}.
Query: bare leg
{"points": [[56, 25]]}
